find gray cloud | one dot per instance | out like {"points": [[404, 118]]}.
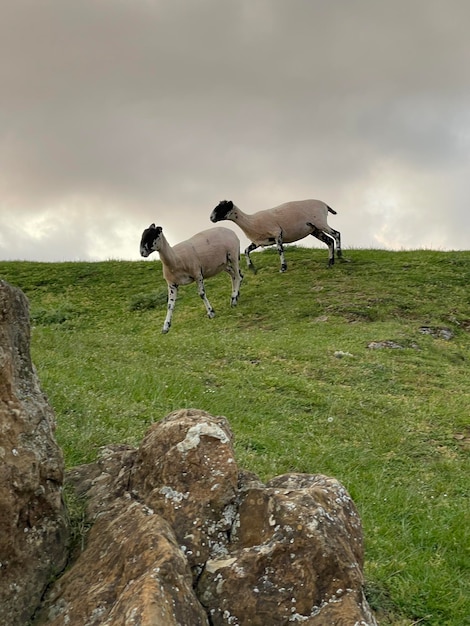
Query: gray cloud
{"points": [[118, 113]]}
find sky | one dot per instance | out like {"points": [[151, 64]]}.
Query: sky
{"points": [[115, 114]]}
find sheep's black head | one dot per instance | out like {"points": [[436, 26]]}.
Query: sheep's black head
{"points": [[221, 211], [149, 241]]}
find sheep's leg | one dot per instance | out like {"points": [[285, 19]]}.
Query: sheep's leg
{"points": [[330, 242], [236, 277], [249, 262], [337, 237], [237, 287], [172, 294], [202, 292], [280, 249]]}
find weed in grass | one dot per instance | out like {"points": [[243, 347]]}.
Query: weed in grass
{"points": [[51, 316], [144, 301], [79, 526]]}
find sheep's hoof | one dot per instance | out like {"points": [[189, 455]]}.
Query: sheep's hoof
{"points": [[211, 314], [165, 329], [283, 269]]}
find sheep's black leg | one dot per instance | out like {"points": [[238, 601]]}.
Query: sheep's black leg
{"points": [[249, 262], [202, 292], [330, 242], [172, 294]]}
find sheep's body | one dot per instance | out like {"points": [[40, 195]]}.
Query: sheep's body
{"points": [[202, 256], [285, 223]]}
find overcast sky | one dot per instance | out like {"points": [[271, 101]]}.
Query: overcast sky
{"points": [[118, 113]]}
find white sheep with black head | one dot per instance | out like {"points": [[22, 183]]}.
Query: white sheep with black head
{"points": [[282, 224], [202, 256]]}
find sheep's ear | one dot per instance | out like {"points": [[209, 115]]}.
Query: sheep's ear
{"points": [[152, 226], [159, 229]]}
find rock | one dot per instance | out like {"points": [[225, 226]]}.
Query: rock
{"points": [[33, 521], [339, 354], [158, 513], [439, 333], [186, 470], [105, 480], [296, 556], [182, 536], [132, 572]]}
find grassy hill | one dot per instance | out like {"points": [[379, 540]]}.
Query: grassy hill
{"points": [[360, 372]]}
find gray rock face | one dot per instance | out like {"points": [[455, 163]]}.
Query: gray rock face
{"points": [[33, 522]]}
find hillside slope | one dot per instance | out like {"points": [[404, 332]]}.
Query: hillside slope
{"points": [[360, 372]]}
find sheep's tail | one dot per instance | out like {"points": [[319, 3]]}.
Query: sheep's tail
{"points": [[330, 210]]}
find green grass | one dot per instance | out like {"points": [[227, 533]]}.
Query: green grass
{"points": [[291, 369]]}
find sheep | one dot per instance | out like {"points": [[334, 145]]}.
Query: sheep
{"points": [[204, 255], [282, 224]]}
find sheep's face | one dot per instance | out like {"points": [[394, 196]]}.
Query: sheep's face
{"points": [[222, 211], [150, 239]]}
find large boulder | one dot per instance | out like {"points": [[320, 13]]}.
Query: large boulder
{"points": [[157, 514], [296, 555], [33, 521], [181, 535]]}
